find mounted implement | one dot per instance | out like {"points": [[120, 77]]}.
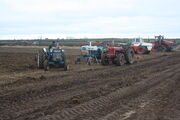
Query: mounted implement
{"points": [[92, 54]]}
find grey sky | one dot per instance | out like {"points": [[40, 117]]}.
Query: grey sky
{"points": [[89, 18]]}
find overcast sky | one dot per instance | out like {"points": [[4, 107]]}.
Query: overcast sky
{"points": [[89, 18]]}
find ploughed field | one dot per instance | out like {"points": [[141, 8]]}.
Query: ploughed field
{"points": [[146, 90]]}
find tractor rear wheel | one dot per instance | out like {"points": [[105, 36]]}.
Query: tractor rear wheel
{"points": [[129, 56], [120, 59], [41, 57]]}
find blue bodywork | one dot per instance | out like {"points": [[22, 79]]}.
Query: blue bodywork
{"points": [[55, 56]]}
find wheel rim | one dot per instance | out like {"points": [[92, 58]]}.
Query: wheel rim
{"points": [[122, 59]]}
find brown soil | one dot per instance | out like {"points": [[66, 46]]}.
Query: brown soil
{"points": [[146, 90]]}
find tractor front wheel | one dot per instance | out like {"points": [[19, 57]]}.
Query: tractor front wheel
{"points": [[46, 65], [90, 61], [120, 59], [78, 60], [66, 67]]}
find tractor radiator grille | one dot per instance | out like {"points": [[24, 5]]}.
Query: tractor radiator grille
{"points": [[57, 56]]}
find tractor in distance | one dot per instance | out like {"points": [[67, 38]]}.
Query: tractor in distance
{"points": [[140, 47], [117, 55], [52, 57], [160, 44]]}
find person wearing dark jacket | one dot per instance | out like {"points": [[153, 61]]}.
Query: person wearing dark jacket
{"points": [[53, 44]]}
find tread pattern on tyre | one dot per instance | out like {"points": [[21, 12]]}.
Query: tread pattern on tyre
{"points": [[118, 59], [41, 57], [128, 53]]}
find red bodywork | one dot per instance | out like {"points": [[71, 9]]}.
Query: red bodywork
{"points": [[118, 55], [164, 42], [112, 51], [161, 42], [135, 47]]}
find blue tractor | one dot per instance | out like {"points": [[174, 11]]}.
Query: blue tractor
{"points": [[54, 57]]}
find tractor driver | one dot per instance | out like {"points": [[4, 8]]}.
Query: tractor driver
{"points": [[53, 44]]}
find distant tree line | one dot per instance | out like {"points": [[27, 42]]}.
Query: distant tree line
{"points": [[68, 42]]}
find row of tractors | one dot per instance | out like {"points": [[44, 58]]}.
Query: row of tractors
{"points": [[120, 54], [160, 44], [105, 55]]}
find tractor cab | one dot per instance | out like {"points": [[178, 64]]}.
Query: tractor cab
{"points": [[135, 41], [159, 39]]}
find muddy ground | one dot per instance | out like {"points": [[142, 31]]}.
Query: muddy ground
{"points": [[146, 90]]}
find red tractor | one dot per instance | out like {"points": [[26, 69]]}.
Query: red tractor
{"points": [[160, 44], [117, 55]]}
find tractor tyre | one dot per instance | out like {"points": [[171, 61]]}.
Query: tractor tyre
{"points": [[46, 66], [129, 55], [168, 48], [41, 57], [114, 62], [163, 48], [78, 60], [120, 59], [90, 61], [103, 60], [66, 65], [148, 52]]}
